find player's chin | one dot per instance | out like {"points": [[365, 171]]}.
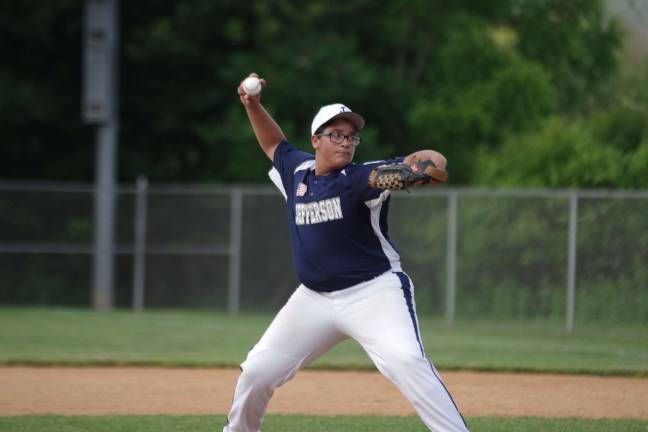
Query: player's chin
{"points": [[342, 159]]}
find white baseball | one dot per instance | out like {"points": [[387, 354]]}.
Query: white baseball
{"points": [[252, 86]]}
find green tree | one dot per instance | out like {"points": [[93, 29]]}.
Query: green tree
{"points": [[574, 41], [456, 76], [485, 92], [608, 148], [41, 131]]}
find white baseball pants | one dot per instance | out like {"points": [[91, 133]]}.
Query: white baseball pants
{"points": [[380, 314]]}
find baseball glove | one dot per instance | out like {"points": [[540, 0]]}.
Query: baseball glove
{"points": [[403, 176]]}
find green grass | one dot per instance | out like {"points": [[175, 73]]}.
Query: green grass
{"points": [[202, 338], [276, 423]]}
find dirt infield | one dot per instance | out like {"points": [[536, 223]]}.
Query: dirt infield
{"points": [[97, 391]]}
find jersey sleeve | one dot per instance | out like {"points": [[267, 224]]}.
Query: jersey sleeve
{"points": [[369, 195], [286, 160]]}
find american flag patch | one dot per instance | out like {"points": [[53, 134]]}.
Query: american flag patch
{"points": [[301, 189]]}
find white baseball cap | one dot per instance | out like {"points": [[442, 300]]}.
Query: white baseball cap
{"points": [[336, 111]]}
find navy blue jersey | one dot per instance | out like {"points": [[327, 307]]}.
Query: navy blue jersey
{"points": [[337, 223]]}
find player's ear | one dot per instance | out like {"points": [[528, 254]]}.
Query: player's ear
{"points": [[315, 141]]}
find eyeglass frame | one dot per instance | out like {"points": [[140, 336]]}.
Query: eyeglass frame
{"points": [[354, 140]]}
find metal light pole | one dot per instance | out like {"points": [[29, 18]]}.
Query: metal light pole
{"points": [[99, 107]]}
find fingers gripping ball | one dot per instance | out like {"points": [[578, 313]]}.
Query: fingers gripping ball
{"points": [[403, 176], [252, 86]]}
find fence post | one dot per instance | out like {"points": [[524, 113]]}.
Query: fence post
{"points": [[139, 249], [236, 216], [571, 261], [451, 259]]}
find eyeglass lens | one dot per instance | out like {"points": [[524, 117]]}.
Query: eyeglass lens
{"points": [[338, 138]]}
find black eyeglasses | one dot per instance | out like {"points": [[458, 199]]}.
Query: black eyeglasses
{"points": [[339, 137]]}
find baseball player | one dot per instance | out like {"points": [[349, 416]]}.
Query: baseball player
{"points": [[352, 283]]}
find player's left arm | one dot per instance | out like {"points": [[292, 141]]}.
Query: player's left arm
{"points": [[419, 168]]}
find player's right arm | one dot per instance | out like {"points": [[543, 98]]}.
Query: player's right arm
{"points": [[267, 131]]}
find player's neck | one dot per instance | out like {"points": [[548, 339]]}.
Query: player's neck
{"points": [[322, 173], [323, 169]]}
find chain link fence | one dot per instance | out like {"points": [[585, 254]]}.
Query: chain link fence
{"points": [[502, 254]]}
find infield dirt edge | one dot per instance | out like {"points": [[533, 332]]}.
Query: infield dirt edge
{"points": [[153, 390]]}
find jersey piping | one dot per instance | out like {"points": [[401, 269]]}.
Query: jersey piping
{"points": [[376, 206]]}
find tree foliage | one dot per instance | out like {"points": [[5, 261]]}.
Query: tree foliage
{"points": [[574, 41], [468, 78], [608, 149]]}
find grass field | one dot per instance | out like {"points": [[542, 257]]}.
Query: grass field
{"points": [[46, 336], [277, 423], [199, 339]]}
